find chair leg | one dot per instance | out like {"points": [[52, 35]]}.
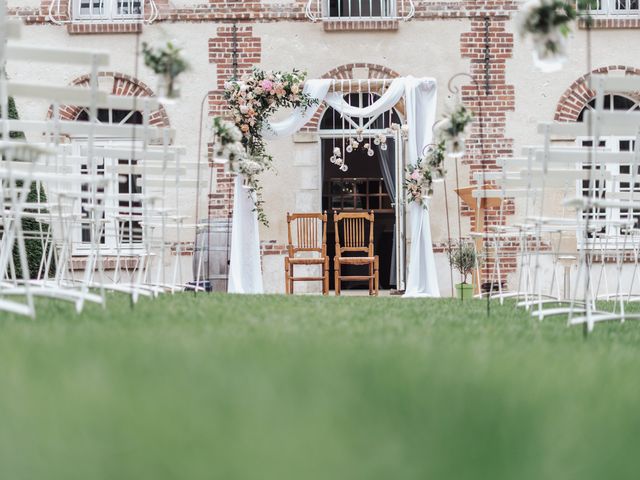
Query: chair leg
{"points": [[291, 278], [325, 277], [336, 267], [376, 273], [371, 279], [286, 276]]}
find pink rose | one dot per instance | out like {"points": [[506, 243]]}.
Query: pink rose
{"points": [[415, 175], [267, 85]]}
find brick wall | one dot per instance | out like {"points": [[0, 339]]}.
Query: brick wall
{"points": [[258, 11], [485, 144], [221, 49], [488, 45]]}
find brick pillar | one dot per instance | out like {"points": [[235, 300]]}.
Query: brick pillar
{"points": [[249, 50], [488, 141]]}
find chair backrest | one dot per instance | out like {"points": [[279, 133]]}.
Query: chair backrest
{"points": [[354, 232], [307, 227]]}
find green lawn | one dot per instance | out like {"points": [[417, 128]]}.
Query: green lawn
{"points": [[305, 388]]}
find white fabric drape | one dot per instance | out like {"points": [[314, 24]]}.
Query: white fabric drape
{"points": [[317, 89], [420, 103], [385, 103], [245, 274], [420, 96]]}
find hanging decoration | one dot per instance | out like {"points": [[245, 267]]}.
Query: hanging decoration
{"points": [[547, 23], [252, 100], [378, 139], [336, 159], [453, 129], [420, 177], [167, 62]]}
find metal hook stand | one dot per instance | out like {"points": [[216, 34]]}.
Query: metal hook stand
{"points": [[426, 149], [455, 90]]}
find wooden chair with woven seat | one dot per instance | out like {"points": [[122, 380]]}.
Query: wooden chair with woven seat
{"points": [[308, 229], [355, 241]]}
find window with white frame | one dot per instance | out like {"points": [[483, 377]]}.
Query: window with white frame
{"points": [[108, 10], [360, 8], [611, 235], [122, 198], [616, 7]]}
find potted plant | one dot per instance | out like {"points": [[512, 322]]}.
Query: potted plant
{"points": [[167, 62], [463, 258]]}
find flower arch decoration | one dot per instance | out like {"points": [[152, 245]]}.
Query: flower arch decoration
{"points": [[252, 100]]}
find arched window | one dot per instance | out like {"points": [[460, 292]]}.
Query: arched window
{"points": [[611, 236], [612, 102], [112, 116], [124, 196]]}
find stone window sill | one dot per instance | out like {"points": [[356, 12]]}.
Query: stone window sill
{"points": [[84, 28], [611, 23], [108, 263], [362, 25]]}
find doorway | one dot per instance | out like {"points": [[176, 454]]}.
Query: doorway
{"points": [[368, 184], [361, 188]]}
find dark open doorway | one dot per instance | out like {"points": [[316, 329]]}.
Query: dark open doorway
{"points": [[368, 185], [361, 188]]}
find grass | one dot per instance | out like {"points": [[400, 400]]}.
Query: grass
{"points": [[268, 387]]}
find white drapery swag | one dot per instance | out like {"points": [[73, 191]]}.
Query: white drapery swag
{"points": [[420, 102], [245, 274], [420, 97]]}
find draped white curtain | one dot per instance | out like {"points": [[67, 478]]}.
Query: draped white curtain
{"points": [[420, 97], [245, 274], [420, 103]]}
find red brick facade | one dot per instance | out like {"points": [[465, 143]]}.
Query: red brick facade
{"points": [[229, 39], [487, 44]]}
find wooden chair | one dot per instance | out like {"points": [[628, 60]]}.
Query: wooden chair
{"points": [[307, 227], [353, 234]]}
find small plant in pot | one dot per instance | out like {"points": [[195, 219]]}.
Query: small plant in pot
{"points": [[463, 258]]}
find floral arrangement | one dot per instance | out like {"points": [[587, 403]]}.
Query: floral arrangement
{"points": [[547, 23], [453, 129], [166, 61], [252, 100], [419, 178], [228, 148]]}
